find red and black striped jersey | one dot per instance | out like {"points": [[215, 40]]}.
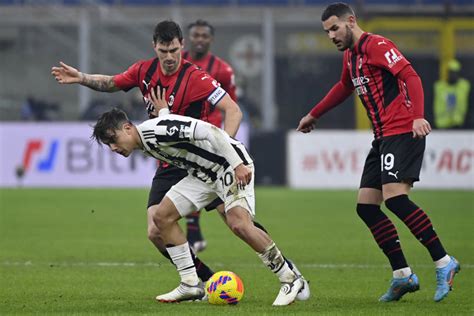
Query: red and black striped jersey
{"points": [[190, 91], [371, 68], [222, 72]]}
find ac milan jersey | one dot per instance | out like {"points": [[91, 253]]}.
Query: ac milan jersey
{"points": [[180, 141], [222, 72], [371, 67], [190, 91]]}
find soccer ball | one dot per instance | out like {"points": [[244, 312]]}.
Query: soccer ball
{"points": [[224, 288]]}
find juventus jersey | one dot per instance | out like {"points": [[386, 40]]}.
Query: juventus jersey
{"points": [[204, 150]]}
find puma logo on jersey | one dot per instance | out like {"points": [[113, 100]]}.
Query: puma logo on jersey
{"points": [[393, 174], [382, 42]]}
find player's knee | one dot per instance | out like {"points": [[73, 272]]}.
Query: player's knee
{"points": [[160, 217], [154, 234], [240, 229]]}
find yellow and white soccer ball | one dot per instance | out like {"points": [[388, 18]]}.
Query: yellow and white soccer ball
{"points": [[224, 288]]}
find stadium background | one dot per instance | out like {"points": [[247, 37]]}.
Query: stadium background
{"points": [[284, 63]]}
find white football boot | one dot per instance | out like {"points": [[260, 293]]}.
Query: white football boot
{"points": [[183, 292], [288, 292], [305, 292]]}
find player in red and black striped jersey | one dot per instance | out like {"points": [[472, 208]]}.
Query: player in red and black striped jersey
{"points": [[392, 95], [200, 38]]}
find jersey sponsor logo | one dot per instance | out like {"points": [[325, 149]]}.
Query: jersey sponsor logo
{"points": [[36, 146], [392, 58], [359, 81], [216, 96], [359, 84]]}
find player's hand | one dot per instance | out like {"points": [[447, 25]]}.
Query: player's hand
{"points": [[307, 124], [66, 74], [157, 96], [243, 175], [421, 128]]}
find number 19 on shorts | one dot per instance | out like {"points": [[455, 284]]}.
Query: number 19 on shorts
{"points": [[387, 161]]}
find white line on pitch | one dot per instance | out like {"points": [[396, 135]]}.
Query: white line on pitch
{"points": [[212, 264]]}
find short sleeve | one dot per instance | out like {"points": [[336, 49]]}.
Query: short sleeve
{"points": [[202, 86], [384, 54], [129, 78]]}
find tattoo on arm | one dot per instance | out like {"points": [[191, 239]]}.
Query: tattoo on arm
{"points": [[101, 83]]}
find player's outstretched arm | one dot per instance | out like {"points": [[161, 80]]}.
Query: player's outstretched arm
{"points": [[65, 74]]}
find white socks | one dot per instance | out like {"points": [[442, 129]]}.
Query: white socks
{"points": [[402, 273], [181, 256], [443, 262], [273, 258], [406, 272]]}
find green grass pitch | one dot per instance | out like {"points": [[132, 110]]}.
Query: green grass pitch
{"points": [[85, 252]]}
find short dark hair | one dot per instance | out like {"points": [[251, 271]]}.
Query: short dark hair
{"points": [[201, 22], [167, 31], [338, 9], [108, 122]]}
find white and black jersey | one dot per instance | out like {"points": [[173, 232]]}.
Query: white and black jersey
{"points": [[197, 146]]}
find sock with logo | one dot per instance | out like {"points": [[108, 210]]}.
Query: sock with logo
{"points": [[384, 232], [260, 226], [273, 259], [418, 222]]}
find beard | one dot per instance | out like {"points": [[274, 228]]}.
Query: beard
{"points": [[348, 40]]}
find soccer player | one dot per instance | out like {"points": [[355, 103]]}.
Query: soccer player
{"points": [[392, 94], [190, 91], [200, 38], [218, 167]]}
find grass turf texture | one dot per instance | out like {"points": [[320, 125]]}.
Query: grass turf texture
{"points": [[71, 251]]}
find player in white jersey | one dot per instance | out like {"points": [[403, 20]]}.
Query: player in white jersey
{"points": [[217, 166]]}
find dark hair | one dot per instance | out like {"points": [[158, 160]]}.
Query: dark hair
{"points": [[338, 9], [107, 124], [201, 22], [167, 31]]}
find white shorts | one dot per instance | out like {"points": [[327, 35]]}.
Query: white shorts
{"points": [[191, 194]]}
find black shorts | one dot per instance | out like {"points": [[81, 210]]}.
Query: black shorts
{"points": [[393, 159], [164, 179]]}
